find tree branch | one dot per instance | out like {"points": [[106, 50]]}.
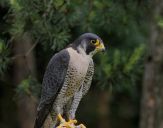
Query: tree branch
{"points": [[28, 52]]}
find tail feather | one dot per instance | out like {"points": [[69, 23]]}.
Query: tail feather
{"points": [[41, 116]]}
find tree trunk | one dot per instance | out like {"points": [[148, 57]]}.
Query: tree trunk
{"points": [[104, 98], [152, 94], [23, 66]]}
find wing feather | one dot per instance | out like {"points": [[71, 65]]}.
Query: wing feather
{"points": [[52, 82]]}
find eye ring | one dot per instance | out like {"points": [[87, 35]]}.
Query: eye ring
{"points": [[93, 41]]}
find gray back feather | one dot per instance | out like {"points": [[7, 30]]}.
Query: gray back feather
{"points": [[52, 83]]}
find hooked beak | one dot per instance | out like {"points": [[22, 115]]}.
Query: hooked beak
{"points": [[103, 50], [100, 47]]}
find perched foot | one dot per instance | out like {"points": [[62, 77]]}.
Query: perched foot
{"points": [[80, 126], [60, 118], [69, 124], [72, 123], [64, 124]]}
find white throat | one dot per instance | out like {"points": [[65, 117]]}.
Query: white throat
{"points": [[82, 51]]}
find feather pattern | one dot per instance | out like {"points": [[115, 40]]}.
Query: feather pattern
{"points": [[52, 83]]}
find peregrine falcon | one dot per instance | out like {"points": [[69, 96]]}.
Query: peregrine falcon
{"points": [[67, 79]]}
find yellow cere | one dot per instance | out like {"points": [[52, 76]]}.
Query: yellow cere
{"points": [[99, 45]]}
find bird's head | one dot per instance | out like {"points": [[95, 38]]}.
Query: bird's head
{"points": [[89, 43]]}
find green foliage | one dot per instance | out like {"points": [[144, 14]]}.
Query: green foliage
{"points": [[160, 21], [29, 86], [122, 24], [3, 2], [43, 19], [119, 69], [134, 59], [4, 57]]}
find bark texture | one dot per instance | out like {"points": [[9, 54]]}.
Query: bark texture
{"points": [[23, 66], [152, 94], [104, 98]]}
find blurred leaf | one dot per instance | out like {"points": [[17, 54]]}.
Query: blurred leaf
{"points": [[4, 57], [136, 55], [29, 87]]}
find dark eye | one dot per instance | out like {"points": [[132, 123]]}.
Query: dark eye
{"points": [[93, 41]]}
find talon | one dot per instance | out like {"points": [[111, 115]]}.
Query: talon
{"points": [[70, 124], [72, 121], [64, 124], [61, 119], [82, 126]]}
